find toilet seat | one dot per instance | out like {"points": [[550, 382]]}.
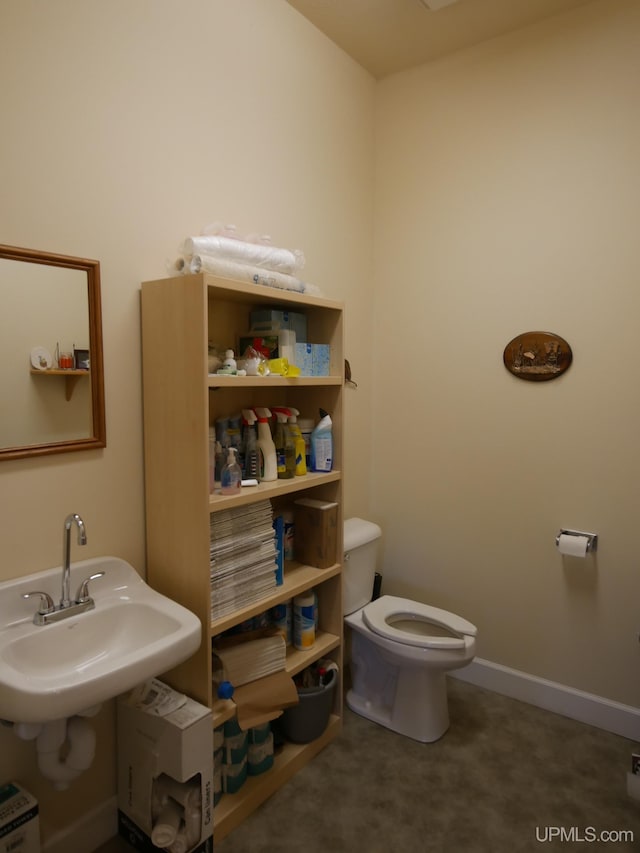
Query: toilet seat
{"points": [[378, 614]]}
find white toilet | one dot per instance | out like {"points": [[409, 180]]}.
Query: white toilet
{"points": [[401, 650]]}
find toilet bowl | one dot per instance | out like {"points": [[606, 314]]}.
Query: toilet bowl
{"points": [[401, 649]]}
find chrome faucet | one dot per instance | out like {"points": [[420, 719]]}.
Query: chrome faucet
{"points": [[74, 518], [48, 612]]}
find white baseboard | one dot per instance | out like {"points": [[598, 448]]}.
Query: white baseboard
{"points": [[611, 716], [88, 833]]}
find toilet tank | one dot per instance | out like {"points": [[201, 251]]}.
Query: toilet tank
{"points": [[360, 557]]}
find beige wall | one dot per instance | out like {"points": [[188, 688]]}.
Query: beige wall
{"points": [[126, 128], [508, 200]]}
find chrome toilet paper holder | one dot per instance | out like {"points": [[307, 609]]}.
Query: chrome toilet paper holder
{"points": [[592, 538]]}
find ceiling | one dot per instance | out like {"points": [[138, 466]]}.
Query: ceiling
{"points": [[385, 36]]}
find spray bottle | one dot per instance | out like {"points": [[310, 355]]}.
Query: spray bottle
{"points": [[268, 467], [212, 459], [231, 476], [285, 447], [222, 444], [322, 444], [251, 460], [299, 443]]}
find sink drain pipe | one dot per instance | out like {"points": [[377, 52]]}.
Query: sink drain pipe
{"points": [[65, 747]]}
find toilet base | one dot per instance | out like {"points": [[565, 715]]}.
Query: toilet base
{"points": [[409, 700]]}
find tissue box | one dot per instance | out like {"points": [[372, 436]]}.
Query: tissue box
{"points": [[179, 744], [19, 821], [267, 320], [304, 358], [321, 359], [313, 359], [316, 532]]}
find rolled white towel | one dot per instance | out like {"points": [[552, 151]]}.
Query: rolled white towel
{"points": [[257, 254], [245, 272]]}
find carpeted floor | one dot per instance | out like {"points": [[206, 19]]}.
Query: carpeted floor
{"points": [[506, 777]]}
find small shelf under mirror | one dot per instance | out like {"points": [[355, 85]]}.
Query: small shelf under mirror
{"points": [[71, 377]]}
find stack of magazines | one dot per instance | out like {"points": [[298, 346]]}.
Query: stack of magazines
{"points": [[243, 557]]}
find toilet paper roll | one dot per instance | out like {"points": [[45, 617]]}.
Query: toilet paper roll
{"points": [[573, 546]]}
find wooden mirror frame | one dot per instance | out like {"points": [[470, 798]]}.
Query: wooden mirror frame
{"points": [[98, 438]]}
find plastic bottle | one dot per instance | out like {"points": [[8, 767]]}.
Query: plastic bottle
{"points": [[222, 446], [251, 456], [304, 629], [282, 620], [285, 446], [288, 534], [268, 467], [212, 459], [231, 476], [299, 443], [230, 361], [306, 428], [322, 444]]}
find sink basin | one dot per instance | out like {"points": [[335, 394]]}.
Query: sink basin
{"points": [[58, 670]]}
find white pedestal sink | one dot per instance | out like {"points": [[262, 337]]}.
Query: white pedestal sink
{"points": [[54, 671]]}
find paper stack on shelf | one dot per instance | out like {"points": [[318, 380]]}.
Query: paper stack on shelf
{"points": [[242, 557], [253, 659]]}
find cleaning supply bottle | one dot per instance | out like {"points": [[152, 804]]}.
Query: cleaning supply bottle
{"points": [[304, 629], [322, 444], [222, 437], [251, 457], [212, 459], [306, 426], [231, 476], [268, 466], [298, 441], [285, 447]]}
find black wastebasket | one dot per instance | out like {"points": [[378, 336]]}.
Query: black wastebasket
{"points": [[307, 720]]}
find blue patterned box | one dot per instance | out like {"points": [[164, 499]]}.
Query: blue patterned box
{"points": [[304, 358], [321, 359]]}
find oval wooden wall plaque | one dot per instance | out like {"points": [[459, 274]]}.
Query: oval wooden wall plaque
{"points": [[537, 356]]}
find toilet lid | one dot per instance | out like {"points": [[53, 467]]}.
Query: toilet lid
{"points": [[435, 628]]}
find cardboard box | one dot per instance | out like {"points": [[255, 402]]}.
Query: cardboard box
{"points": [[170, 735], [268, 320], [19, 821], [316, 532]]}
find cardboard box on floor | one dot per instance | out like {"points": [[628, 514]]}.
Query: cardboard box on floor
{"points": [[162, 737], [19, 821]]}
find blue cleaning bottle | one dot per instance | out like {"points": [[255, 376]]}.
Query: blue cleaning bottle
{"points": [[322, 444]]}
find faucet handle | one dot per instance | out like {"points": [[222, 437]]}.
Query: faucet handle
{"points": [[82, 594], [46, 602]]}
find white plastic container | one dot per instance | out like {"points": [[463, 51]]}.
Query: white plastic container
{"points": [[304, 620]]}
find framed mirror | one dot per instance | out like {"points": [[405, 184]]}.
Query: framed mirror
{"points": [[51, 363]]}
